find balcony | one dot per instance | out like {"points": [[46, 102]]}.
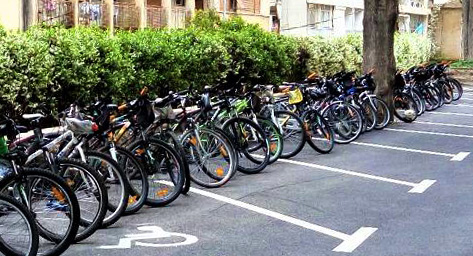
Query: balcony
{"points": [[418, 7], [52, 12], [93, 14], [178, 16], [155, 16], [126, 15]]}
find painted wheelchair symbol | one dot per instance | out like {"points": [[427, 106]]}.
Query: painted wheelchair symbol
{"points": [[155, 232]]}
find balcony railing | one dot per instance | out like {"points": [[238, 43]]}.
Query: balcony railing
{"points": [[93, 14], [155, 16], [178, 17], [126, 15], [53, 12]]}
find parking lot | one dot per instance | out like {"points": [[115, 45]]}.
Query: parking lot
{"points": [[405, 190]]}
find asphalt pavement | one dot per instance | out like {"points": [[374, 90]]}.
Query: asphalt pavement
{"points": [[406, 190]]}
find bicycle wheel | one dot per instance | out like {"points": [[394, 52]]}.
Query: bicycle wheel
{"points": [[405, 107], [53, 204], [420, 102], [172, 139], [91, 193], [457, 88], [436, 97], [430, 101], [293, 133], [345, 120], [251, 143], [18, 232], [116, 183], [165, 170], [370, 115], [276, 142], [447, 90], [211, 159], [383, 115], [319, 134], [137, 179]]}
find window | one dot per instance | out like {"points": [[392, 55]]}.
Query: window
{"points": [[180, 2], [320, 16]]}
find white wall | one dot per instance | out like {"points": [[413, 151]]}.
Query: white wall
{"points": [[294, 17]]}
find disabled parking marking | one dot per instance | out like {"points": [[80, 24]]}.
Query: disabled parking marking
{"points": [[349, 242], [156, 233], [449, 113], [430, 133], [418, 188], [445, 124], [453, 157]]}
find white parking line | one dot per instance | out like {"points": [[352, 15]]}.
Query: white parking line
{"points": [[453, 157], [349, 244], [431, 133], [459, 105], [449, 113], [445, 124], [416, 187]]}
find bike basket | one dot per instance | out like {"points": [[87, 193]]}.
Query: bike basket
{"points": [[295, 96], [80, 127]]}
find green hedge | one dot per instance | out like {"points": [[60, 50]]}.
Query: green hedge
{"points": [[330, 55], [56, 66]]}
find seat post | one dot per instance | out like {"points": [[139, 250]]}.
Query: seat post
{"points": [[38, 133]]}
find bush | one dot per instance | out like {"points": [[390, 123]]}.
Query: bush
{"points": [[412, 49], [330, 55]]}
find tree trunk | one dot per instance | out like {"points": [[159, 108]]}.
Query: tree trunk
{"points": [[379, 25], [467, 29]]}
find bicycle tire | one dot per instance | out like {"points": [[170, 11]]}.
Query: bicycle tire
{"points": [[276, 142], [117, 209], [63, 242], [384, 116], [230, 127], [164, 148], [345, 134], [316, 124], [225, 150], [28, 218], [142, 194], [293, 119], [400, 100], [99, 193]]}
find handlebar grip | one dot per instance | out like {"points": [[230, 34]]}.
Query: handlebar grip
{"points": [[144, 91], [312, 76], [122, 107]]}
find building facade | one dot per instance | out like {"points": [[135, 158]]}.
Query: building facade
{"points": [[336, 18], [448, 31], [126, 14]]}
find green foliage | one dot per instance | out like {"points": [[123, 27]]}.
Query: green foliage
{"points": [[330, 55], [412, 49], [462, 64]]}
